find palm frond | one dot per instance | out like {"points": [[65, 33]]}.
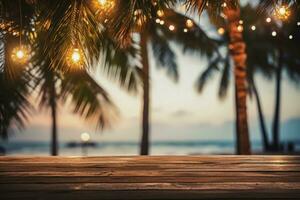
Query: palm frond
{"points": [[206, 75], [88, 98]]}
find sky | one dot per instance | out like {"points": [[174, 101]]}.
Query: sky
{"points": [[178, 112]]}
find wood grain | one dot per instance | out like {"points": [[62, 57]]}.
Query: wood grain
{"points": [[157, 177]]}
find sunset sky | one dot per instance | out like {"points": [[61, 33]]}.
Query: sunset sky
{"points": [[177, 111]]}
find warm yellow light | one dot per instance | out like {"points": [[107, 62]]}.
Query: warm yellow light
{"points": [[221, 31], [282, 12], [290, 37], [157, 21], [224, 4], [240, 28], [241, 22], [102, 2], [162, 22], [20, 55], [171, 27], [274, 33], [189, 23], [103, 7], [185, 30], [298, 23], [76, 56], [268, 20], [85, 137], [253, 28], [160, 13]]}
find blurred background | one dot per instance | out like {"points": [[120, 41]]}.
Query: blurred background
{"points": [[188, 116]]}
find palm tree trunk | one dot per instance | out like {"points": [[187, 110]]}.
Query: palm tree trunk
{"points": [[237, 48], [54, 145], [145, 124], [276, 120], [263, 128]]}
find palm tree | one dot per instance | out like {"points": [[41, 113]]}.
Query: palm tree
{"points": [[54, 84], [59, 81], [14, 77], [164, 24], [238, 53], [261, 57]]}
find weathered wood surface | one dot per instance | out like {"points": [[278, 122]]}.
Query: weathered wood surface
{"points": [[175, 177]]}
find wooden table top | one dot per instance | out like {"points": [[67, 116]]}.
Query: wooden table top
{"points": [[154, 177]]}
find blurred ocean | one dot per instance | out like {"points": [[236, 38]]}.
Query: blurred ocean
{"points": [[126, 148], [129, 148]]}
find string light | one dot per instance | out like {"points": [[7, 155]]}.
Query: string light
{"points": [[268, 20], [274, 33], [106, 4], [253, 28], [240, 28], [224, 4], [157, 21], [241, 22], [298, 23], [189, 23], [185, 30], [75, 58], [171, 27], [282, 12], [162, 22], [20, 54], [290, 37], [160, 13], [221, 31]]}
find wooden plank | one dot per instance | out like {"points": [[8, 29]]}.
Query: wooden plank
{"points": [[156, 159], [158, 177], [145, 179]]}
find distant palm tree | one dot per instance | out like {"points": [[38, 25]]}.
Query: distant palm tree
{"points": [[261, 57], [158, 29], [238, 53]]}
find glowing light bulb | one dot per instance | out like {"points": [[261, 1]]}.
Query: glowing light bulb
{"points": [[290, 37], [171, 27], [224, 4], [104, 6], [157, 21], [162, 22], [160, 13], [240, 28], [85, 137], [75, 58], [274, 33], [221, 31], [282, 12], [253, 28], [241, 22], [20, 55], [268, 20], [189, 23], [185, 30], [298, 23]]}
